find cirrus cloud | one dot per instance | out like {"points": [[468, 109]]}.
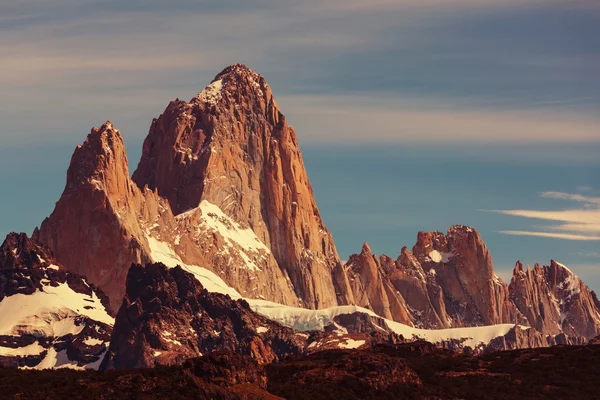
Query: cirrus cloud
{"points": [[581, 223]]}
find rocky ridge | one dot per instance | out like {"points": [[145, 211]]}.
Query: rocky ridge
{"points": [[555, 300], [448, 280], [49, 317]]}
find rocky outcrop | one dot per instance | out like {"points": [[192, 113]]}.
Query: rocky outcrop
{"points": [[423, 296], [446, 281], [372, 290], [232, 147], [49, 316], [101, 208], [555, 300], [97, 226], [473, 293], [167, 317]]}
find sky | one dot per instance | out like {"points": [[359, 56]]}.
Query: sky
{"points": [[411, 115]]}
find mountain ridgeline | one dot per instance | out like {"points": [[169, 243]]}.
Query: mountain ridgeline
{"points": [[221, 191]]}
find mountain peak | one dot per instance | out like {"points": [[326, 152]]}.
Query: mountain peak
{"points": [[232, 147], [237, 70], [233, 78], [366, 249], [100, 161]]}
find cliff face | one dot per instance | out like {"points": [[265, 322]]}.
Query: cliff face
{"points": [[446, 281], [231, 146], [555, 300], [371, 288], [463, 267], [420, 290], [97, 228], [221, 184]]}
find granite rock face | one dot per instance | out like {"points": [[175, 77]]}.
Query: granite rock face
{"points": [[221, 185], [555, 300], [97, 226], [448, 281], [232, 147], [372, 289]]}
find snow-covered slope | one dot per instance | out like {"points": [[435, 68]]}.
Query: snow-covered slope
{"points": [[303, 319], [49, 317]]}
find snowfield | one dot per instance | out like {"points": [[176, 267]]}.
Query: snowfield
{"points": [[303, 319], [53, 312]]}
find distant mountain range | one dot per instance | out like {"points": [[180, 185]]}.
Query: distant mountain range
{"points": [[215, 242]]}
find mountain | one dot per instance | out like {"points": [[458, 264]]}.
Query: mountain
{"points": [[232, 148], [168, 316], [448, 280], [98, 226], [555, 300], [49, 316], [221, 183], [221, 192]]}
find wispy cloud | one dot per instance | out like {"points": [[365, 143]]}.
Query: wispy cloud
{"points": [[416, 120], [566, 236], [587, 201], [342, 68], [582, 223]]}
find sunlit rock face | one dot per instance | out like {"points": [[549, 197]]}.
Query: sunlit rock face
{"points": [[221, 184]]}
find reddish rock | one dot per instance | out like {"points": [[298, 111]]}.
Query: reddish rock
{"points": [[167, 317], [229, 167], [463, 267], [372, 289], [555, 300], [232, 147], [95, 227], [422, 294]]}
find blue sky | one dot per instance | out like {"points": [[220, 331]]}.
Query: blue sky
{"points": [[412, 115]]}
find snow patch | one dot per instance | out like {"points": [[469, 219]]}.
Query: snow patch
{"points": [[262, 329], [243, 240], [93, 341], [351, 344], [50, 312], [33, 349], [437, 257], [162, 252], [307, 320], [212, 93]]}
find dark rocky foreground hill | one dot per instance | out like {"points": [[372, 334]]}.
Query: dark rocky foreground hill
{"points": [[406, 371]]}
